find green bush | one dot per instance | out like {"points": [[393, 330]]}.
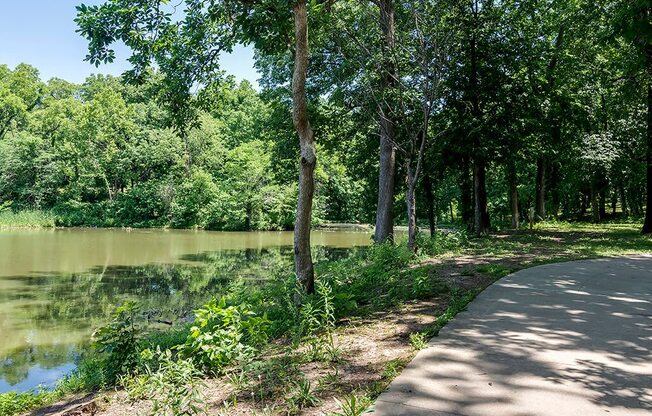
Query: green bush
{"points": [[223, 334], [175, 387], [193, 200], [12, 403], [119, 340], [75, 214], [141, 206]]}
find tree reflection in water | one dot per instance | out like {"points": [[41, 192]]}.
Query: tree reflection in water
{"points": [[47, 318]]}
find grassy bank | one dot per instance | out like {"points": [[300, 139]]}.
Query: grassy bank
{"points": [[27, 219], [254, 351]]}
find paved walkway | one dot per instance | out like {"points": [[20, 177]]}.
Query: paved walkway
{"points": [[566, 339]]}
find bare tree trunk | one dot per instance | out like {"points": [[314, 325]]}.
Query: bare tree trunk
{"points": [[386, 175], [430, 201], [623, 200], [308, 160], [540, 203], [647, 226], [595, 205], [553, 190], [410, 199], [513, 197], [466, 193], [602, 203], [480, 215]]}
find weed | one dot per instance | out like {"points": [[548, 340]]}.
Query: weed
{"points": [[238, 380], [352, 405], [174, 388], [418, 340], [392, 369], [302, 396]]}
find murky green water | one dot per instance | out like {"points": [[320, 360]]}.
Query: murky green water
{"points": [[56, 286]]}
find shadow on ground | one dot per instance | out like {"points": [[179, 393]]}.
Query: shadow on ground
{"points": [[561, 339]]}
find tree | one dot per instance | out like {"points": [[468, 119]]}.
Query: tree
{"points": [[187, 53], [633, 21]]}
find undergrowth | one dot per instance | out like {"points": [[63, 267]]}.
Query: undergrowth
{"points": [[230, 333]]}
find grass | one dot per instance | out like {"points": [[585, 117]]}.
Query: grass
{"points": [[27, 219], [370, 292]]}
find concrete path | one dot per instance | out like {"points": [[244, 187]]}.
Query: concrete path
{"points": [[566, 339]]}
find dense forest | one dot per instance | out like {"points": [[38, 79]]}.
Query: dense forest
{"points": [[490, 113]]}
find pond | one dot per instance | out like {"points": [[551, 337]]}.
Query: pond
{"points": [[58, 285]]}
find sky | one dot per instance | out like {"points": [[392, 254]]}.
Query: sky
{"points": [[42, 33]]}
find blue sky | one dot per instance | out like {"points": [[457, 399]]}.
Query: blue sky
{"points": [[42, 33]]}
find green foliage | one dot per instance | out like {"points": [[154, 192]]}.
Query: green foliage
{"points": [[15, 403], [120, 339], [418, 340], [27, 219], [174, 388], [223, 335], [317, 313], [302, 396], [392, 369], [239, 380], [352, 405]]}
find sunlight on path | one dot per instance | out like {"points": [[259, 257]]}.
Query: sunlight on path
{"points": [[562, 339]]}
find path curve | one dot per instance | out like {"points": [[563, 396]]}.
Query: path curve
{"points": [[564, 339]]}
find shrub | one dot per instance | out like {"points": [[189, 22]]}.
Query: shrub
{"points": [[175, 387], [119, 339], [224, 334], [141, 206], [190, 206]]}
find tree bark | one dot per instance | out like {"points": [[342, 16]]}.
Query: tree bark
{"points": [[480, 214], [410, 200], [602, 202], [430, 201], [540, 203], [466, 193], [623, 200], [387, 168], [595, 210], [647, 225], [513, 197], [302, 256], [553, 190]]}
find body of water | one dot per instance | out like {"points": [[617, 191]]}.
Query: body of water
{"points": [[58, 285]]}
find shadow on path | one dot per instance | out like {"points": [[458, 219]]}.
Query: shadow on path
{"points": [[562, 339]]}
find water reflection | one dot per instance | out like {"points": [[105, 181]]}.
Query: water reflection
{"points": [[47, 316]]}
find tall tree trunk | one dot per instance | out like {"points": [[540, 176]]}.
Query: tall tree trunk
{"points": [[647, 225], [513, 196], [466, 193], [623, 200], [602, 199], [410, 199], [583, 205], [308, 159], [430, 201], [595, 209], [633, 204], [553, 190], [540, 202], [387, 168], [480, 215]]}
